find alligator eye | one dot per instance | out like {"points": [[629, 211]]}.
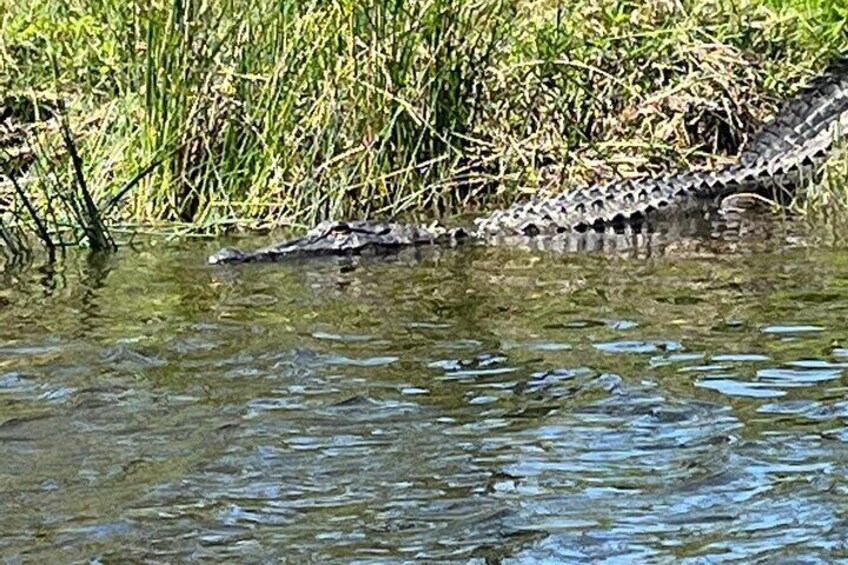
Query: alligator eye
{"points": [[340, 228], [530, 230]]}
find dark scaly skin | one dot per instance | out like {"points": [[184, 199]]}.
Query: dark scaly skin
{"points": [[788, 148], [811, 110]]}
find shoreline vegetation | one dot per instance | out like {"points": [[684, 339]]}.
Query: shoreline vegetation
{"points": [[199, 117]]}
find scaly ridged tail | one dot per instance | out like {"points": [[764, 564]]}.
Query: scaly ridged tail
{"points": [[787, 148]]}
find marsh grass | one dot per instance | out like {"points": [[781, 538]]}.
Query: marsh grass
{"points": [[265, 113], [826, 196]]}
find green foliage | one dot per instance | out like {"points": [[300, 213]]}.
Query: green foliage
{"points": [[283, 112]]}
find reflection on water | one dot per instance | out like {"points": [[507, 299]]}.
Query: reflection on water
{"points": [[475, 405]]}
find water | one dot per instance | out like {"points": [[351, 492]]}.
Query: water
{"points": [[470, 406]]}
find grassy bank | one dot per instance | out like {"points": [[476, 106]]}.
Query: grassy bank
{"points": [[276, 112]]}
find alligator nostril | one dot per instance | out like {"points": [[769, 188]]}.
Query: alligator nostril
{"points": [[226, 255]]}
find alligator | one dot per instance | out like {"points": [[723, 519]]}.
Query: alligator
{"points": [[787, 149]]}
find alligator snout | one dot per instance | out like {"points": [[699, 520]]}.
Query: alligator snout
{"points": [[227, 255]]}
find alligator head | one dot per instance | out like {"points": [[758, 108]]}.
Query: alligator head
{"points": [[342, 238]]}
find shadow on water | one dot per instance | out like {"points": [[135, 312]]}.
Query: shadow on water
{"points": [[473, 405]]}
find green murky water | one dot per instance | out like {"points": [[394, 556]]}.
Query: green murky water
{"points": [[471, 406]]}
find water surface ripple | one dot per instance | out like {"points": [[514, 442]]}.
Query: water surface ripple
{"points": [[470, 406]]}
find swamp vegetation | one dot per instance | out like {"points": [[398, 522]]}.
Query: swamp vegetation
{"points": [[194, 116]]}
